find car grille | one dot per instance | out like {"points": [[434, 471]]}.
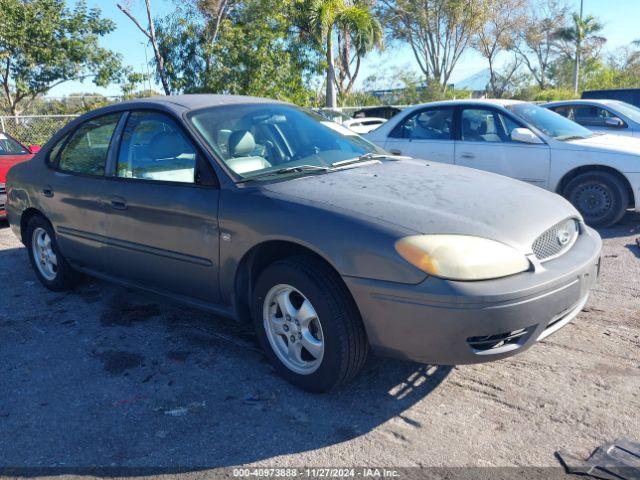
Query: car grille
{"points": [[3, 195], [557, 240]]}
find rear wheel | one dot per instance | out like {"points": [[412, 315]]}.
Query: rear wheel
{"points": [[308, 324], [600, 197], [46, 259]]}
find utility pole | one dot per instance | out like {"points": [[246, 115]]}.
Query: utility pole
{"points": [[576, 69]]}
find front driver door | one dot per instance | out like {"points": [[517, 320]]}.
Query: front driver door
{"points": [[485, 143], [426, 134], [161, 221]]}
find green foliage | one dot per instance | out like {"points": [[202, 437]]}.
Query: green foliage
{"points": [[255, 53], [44, 43]]}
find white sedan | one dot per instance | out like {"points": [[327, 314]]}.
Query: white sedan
{"points": [[363, 124], [599, 174]]}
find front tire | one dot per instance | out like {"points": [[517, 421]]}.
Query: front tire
{"points": [[600, 197], [51, 268], [308, 325]]}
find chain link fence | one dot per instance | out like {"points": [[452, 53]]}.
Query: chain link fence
{"points": [[34, 129]]}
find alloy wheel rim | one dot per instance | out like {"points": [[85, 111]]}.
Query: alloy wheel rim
{"points": [[43, 254], [293, 329], [594, 200]]}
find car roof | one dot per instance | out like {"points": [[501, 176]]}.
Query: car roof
{"points": [[201, 100], [470, 101], [581, 101]]}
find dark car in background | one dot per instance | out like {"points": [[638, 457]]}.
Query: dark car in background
{"points": [[265, 212], [628, 95], [384, 111]]}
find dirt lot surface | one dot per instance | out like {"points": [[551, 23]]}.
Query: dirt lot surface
{"points": [[105, 376]]}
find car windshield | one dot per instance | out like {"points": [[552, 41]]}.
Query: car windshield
{"points": [[258, 140], [628, 110], [550, 123], [8, 146]]}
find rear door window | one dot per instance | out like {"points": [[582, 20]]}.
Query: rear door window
{"points": [[431, 124], [86, 151]]}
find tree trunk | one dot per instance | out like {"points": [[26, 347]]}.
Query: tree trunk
{"points": [[576, 69], [331, 100], [156, 51]]}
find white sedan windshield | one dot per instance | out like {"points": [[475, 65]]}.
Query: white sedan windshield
{"points": [[550, 123]]}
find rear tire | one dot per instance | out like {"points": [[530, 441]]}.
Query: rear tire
{"points": [[322, 316], [600, 197], [51, 268]]}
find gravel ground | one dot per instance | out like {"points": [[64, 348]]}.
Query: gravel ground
{"points": [[105, 376]]}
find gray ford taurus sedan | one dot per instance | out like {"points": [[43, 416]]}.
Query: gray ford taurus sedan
{"points": [[264, 212]]}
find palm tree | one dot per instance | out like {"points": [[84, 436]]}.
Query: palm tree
{"points": [[327, 17], [581, 30]]}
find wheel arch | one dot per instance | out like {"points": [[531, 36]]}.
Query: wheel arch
{"points": [[570, 175], [27, 215], [260, 257]]}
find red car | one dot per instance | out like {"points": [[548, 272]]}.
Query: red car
{"points": [[12, 152]]}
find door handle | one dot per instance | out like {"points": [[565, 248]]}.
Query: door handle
{"points": [[118, 203], [468, 155], [47, 191], [395, 151]]}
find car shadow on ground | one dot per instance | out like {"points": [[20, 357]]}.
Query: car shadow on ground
{"points": [[108, 381], [629, 225]]}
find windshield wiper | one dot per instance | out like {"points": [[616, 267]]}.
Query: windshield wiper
{"points": [[566, 138], [367, 157], [286, 170], [301, 168]]}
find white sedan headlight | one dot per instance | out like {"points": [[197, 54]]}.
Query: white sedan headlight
{"points": [[461, 257]]}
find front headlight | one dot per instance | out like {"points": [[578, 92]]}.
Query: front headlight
{"points": [[461, 257]]}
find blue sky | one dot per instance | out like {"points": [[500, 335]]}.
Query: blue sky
{"points": [[620, 18]]}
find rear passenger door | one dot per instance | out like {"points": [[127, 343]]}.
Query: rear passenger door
{"points": [[71, 193], [485, 143], [426, 134], [162, 217]]}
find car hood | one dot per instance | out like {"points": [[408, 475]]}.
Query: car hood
{"points": [[609, 144], [428, 198]]}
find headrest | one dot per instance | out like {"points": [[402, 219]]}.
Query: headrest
{"points": [[167, 145], [241, 143]]}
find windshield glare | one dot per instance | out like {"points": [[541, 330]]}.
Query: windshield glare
{"points": [[629, 110], [254, 140], [550, 123]]}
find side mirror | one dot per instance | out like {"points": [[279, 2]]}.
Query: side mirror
{"points": [[613, 122], [524, 135], [34, 148]]}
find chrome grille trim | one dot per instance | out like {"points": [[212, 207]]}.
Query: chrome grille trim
{"points": [[548, 246]]}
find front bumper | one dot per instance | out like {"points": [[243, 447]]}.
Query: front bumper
{"points": [[448, 322]]}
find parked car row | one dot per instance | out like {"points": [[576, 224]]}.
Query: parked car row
{"points": [[598, 173], [332, 247], [364, 120]]}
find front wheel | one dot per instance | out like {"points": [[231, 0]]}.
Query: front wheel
{"points": [[600, 197], [308, 324]]}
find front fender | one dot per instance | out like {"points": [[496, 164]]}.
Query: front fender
{"points": [[355, 247]]}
